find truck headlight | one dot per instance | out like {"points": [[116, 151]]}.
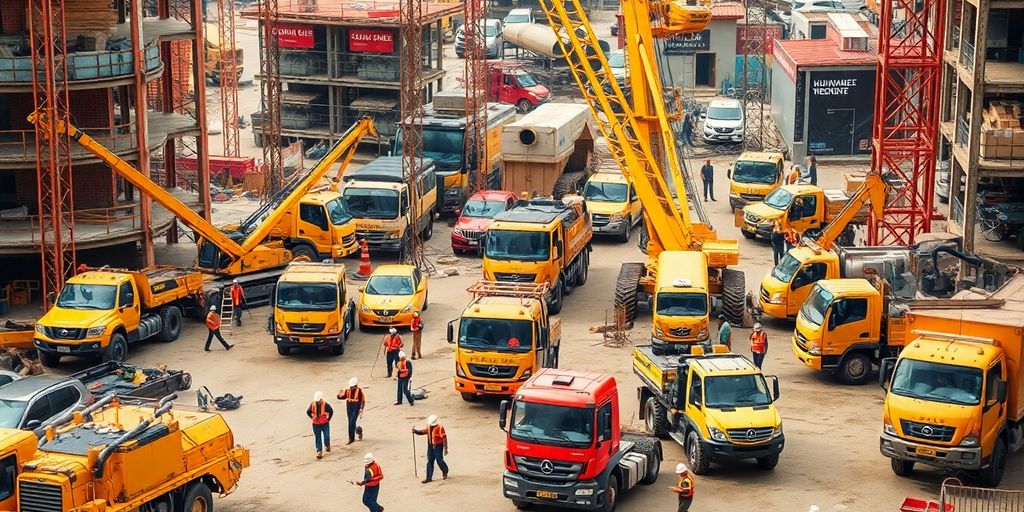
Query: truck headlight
{"points": [[364, 308], [776, 298], [658, 331], [584, 492], [95, 331], [888, 428], [511, 483], [778, 431], [407, 309], [526, 374], [717, 435], [813, 348], [40, 329], [616, 217], [702, 333], [458, 370], [971, 440], [333, 328]]}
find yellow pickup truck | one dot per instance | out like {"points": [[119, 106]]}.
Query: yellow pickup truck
{"points": [[753, 176]]}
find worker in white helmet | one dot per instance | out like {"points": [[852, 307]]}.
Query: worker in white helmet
{"points": [[404, 370], [684, 487], [237, 301], [392, 345], [372, 475], [321, 413], [355, 402], [213, 325], [437, 447], [758, 344]]}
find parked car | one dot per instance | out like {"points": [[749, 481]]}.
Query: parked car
{"points": [[391, 295], [476, 216], [7, 377], [31, 402], [493, 41], [524, 15], [723, 121]]}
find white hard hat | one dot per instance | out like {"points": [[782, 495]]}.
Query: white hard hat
{"points": [[757, 326], [318, 396], [401, 354], [352, 382], [814, 508], [213, 308], [681, 468], [393, 330], [432, 420], [235, 281], [368, 457]]}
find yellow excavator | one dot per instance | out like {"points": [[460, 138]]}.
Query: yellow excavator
{"points": [[640, 136], [247, 251]]}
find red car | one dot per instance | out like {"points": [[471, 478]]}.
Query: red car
{"points": [[476, 216]]}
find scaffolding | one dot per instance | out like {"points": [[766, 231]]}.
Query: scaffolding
{"points": [[410, 29], [228, 75], [270, 115], [475, 140], [755, 75]]}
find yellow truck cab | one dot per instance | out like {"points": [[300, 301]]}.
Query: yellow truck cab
{"points": [[955, 395], [16, 448], [320, 227], [311, 309], [613, 204], [717, 405], [100, 311], [753, 176], [541, 241], [504, 336], [682, 302], [799, 207], [387, 212]]}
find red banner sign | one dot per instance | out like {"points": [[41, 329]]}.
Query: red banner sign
{"points": [[294, 36], [371, 41]]}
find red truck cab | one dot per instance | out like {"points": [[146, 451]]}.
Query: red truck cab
{"points": [[563, 445], [476, 216], [515, 86]]}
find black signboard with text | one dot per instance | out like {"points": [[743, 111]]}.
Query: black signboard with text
{"points": [[683, 44], [839, 112]]}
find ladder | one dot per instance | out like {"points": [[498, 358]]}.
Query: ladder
{"points": [[227, 310]]}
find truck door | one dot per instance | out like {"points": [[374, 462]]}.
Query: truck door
{"points": [[847, 324], [605, 440], [800, 288], [8, 478], [635, 208], [509, 89], [128, 309], [803, 213], [313, 226], [695, 401], [420, 286], [992, 414]]}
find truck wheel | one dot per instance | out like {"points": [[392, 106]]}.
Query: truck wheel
{"points": [[198, 498], [170, 323], [521, 505], [993, 474], [626, 286], [556, 305], [655, 419], [624, 237], [768, 463], [428, 231], [49, 359], [611, 494], [695, 453], [283, 350], [469, 397], [584, 273], [748, 235], [523, 106], [117, 351], [304, 251], [338, 349], [855, 369], [569, 284], [902, 467], [733, 295]]}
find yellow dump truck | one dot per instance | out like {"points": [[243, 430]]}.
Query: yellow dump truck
{"points": [[716, 405], [311, 310], [541, 241], [504, 336], [100, 311], [753, 176], [122, 458]]}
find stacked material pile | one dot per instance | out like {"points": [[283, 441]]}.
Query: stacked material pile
{"points": [[1001, 132]]}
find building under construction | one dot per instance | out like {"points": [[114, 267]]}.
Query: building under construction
{"points": [[126, 73]]}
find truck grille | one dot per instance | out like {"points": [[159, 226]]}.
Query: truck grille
{"points": [[680, 331], [350, 239], [801, 340], [926, 431], [496, 372], [764, 294], [750, 435], [599, 219], [305, 327], [751, 197], [64, 333], [371, 235], [515, 278], [384, 312], [546, 469], [39, 497]]}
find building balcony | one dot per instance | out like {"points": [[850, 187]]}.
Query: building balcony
{"points": [[347, 69]]}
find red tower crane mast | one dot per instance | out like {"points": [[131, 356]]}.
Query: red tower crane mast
{"points": [[228, 75]]}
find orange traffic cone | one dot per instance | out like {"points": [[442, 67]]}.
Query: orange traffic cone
{"points": [[364, 261]]}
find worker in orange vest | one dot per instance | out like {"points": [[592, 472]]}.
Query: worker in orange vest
{"points": [[392, 345], [372, 475], [213, 325], [791, 237], [355, 401], [237, 301], [794, 175], [758, 344], [684, 487], [417, 334], [437, 447], [404, 370], [321, 413]]}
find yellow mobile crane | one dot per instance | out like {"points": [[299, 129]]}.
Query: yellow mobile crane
{"points": [[640, 137], [247, 252]]}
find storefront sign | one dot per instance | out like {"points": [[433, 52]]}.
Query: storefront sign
{"points": [[294, 36], [683, 44], [371, 41], [840, 111]]}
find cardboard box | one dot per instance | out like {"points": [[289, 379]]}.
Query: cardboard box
{"points": [[1018, 137], [1017, 152], [854, 180]]}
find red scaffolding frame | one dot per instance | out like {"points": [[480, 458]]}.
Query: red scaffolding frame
{"points": [[271, 89], [475, 82], [228, 76]]}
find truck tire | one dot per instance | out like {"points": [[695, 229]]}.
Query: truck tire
{"points": [[469, 397], [748, 235], [569, 284], [769, 462], [993, 474], [626, 286], [198, 498], [558, 297], [117, 351], [304, 251], [611, 494], [902, 467], [855, 369], [733, 295], [522, 505], [627, 231], [338, 349], [283, 350], [170, 323], [584, 273], [428, 231], [49, 359], [655, 418], [695, 453]]}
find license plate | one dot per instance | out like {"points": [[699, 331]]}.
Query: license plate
{"points": [[66, 350], [387, 319], [921, 450], [492, 387], [471, 242], [305, 340], [551, 495]]}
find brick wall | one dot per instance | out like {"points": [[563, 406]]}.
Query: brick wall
{"points": [[93, 186], [92, 108], [12, 16]]}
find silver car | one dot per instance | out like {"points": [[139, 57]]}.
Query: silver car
{"points": [[31, 402], [493, 41]]}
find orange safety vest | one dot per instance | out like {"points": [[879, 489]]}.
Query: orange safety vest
{"points": [[436, 434], [791, 236], [685, 485], [373, 475], [758, 342], [212, 321], [403, 369], [393, 342], [417, 324], [352, 395], [236, 294], [319, 418]]}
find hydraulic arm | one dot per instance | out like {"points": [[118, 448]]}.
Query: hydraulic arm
{"points": [[874, 190]]}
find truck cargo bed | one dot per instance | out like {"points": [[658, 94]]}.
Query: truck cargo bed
{"points": [[658, 371], [110, 378]]}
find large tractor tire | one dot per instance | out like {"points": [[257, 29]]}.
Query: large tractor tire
{"points": [[626, 286], [567, 183], [733, 295]]}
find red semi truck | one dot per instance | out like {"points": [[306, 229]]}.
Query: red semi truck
{"points": [[563, 445]]}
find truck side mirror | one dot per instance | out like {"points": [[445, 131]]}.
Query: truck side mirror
{"points": [[33, 424], [451, 332], [503, 413], [1000, 391], [775, 386], [831, 321], [885, 369]]}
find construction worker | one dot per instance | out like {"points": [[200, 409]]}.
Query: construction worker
{"points": [[81, 268], [778, 241], [321, 413], [392, 345], [437, 447], [791, 237], [355, 402], [404, 370], [237, 301], [794, 176], [758, 344], [684, 487], [213, 325], [812, 171], [707, 175], [372, 475], [416, 326], [724, 332]]}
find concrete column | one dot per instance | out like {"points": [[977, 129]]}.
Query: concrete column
{"points": [[974, 130]]}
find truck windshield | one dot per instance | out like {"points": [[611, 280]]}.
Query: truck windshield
{"points": [[496, 334], [605, 192], [937, 382], [786, 268], [389, 285], [517, 245], [87, 296], [11, 412], [337, 210], [444, 146], [372, 203], [815, 306], [483, 209], [552, 424], [780, 199], [682, 304], [736, 391], [525, 79], [763, 173], [307, 296]]}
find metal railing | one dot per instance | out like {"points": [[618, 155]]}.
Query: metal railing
{"points": [[19, 145], [967, 54], [316, 117], [962, 131], [96, 65], [319, 64], [961, 498], [127, 217]]}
